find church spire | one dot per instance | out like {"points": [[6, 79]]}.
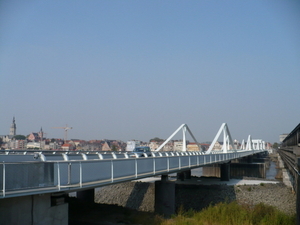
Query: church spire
{"points": [[13, 128]]}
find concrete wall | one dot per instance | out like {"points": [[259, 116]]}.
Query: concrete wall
{"points": [[287, 179], [34, 209]]}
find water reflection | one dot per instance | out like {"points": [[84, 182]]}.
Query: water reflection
{"points": [[272, 171]]}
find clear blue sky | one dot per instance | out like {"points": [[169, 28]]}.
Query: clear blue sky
{"points": [[139, 69]]}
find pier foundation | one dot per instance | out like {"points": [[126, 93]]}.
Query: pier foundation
{"points": [[34, 209], [236, 170], [86, 195], [164, 198], [298, 193], [225, 172]]}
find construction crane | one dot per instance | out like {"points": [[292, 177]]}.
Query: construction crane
{"points": [[66, 128]]}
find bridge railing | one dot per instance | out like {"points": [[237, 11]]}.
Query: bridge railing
{"points": [[18, 179]]}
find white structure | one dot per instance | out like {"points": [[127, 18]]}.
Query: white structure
{"points": [[227, 139], [132, 144], [184, 128], [33, 145], [282, 137], [228, 143]]}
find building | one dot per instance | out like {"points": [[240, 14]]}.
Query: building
{"points": [[66, 147], [33, 137], [132, 144], [178, 146], [218, 146], [168, 147], [153, 145], [106, 146], [282, 137], [33, 145], [15, 144], [12, 132], [39, 136], [192, 147], [13, 128]]}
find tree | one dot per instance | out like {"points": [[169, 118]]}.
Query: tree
{"points": [[156, 139], [114, 148], [19, 137], [275, 145]]}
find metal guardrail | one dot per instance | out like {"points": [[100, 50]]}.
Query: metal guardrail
{"points": [[290, 161], [293, 138], [28, 178]]}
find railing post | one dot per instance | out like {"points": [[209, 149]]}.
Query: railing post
{"points": [[69, 173], [58, 176], [80, 174], [179, 161], [3, 179], [153, 166], [184, 140], [112, 171], [298, 192], [135, 168]]}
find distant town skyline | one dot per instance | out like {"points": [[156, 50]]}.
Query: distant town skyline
{"points": [[12, 132], [128, 70]]}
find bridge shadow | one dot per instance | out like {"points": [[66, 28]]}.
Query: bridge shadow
{"points": [[198, 197], [136, 197]]}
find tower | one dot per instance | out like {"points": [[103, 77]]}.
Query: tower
{"points": [[13, 128], [41, 134]]}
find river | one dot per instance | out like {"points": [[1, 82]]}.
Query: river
{"points": [[271, 172]]}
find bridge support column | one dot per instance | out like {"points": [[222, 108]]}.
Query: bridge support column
{"points": [[164, 178], [87, 195], [298, 193], [250, 159], [188, 174], [164, 198], [34, 209], [180, 176], [225, 172]]}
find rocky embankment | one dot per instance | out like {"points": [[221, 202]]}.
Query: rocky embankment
{"points": [[140, 195]]}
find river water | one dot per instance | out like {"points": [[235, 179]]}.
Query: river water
{"points": [[271, 172]]}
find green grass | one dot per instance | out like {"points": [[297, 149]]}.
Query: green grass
{"points": [[232, 214]]}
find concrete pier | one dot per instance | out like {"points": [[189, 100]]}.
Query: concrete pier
{"points": [[237, 170], [298, 194], [250, 159], [225, 172], [188, 174], [86, 195], [180, 176], [184, 175], [164, 198], [34, 209]]}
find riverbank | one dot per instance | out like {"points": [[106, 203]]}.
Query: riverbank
{"points": [[140, 195], [133, 202]]}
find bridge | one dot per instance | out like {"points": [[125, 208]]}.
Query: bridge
{"points": [[289, 152], [39, 179]]}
